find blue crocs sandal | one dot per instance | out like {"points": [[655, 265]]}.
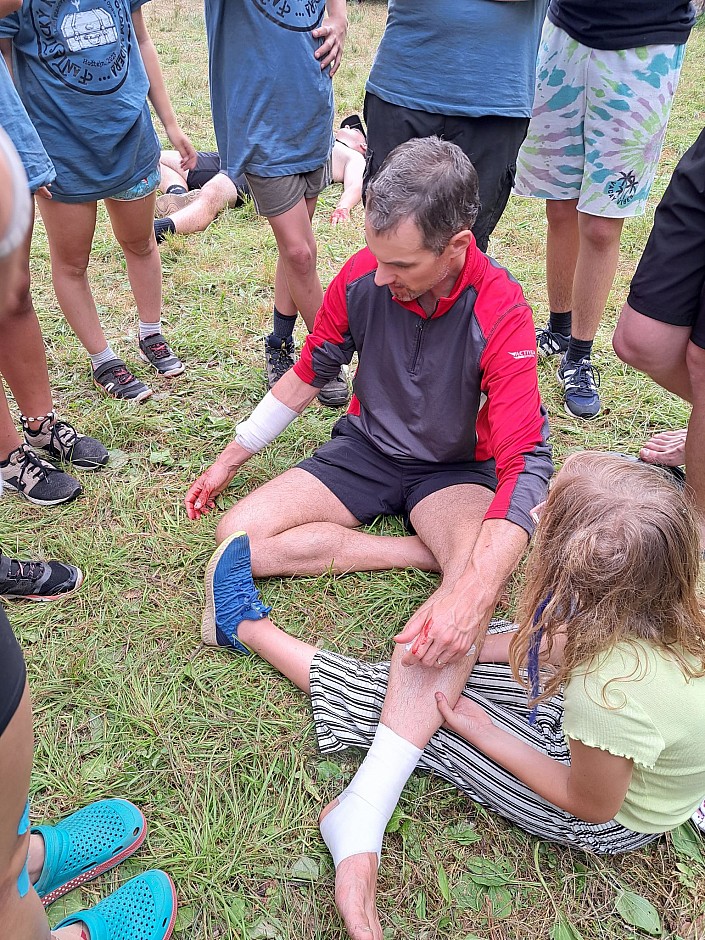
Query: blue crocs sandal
{"points": [[231, 595], [86, 844], [144, 908]]}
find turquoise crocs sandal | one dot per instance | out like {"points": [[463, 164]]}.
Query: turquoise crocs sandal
{"points": [[86, 844], [144, 908]]}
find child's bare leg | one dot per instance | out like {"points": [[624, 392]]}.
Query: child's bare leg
{"points": [[133, 225], [69, 264], [297, 259], [290, 656]]}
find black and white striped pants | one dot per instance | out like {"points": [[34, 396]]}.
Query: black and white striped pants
{"points": [[347, 698]]}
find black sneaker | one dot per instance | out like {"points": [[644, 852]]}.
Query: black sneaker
{"points": [[116, 380], [155, 350], [580, 381], [61, 441], [37, 480], [549, 343], [278, 359], [37, 580], [336, 393]]}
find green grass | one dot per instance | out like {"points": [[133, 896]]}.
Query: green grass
{"points": [[219, 752]]}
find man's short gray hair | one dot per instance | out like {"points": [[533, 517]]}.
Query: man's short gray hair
{"points": [[429, 181]]}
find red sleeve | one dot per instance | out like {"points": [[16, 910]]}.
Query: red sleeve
{"points": [[512, 427], [330, 345]]}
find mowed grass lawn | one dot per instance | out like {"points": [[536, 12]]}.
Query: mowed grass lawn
{"points": [[219, 752]]}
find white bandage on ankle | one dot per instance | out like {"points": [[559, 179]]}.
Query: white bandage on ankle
{"points": [[268, 420], [356, 825]]}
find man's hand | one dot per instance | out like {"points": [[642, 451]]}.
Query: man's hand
{"points": [[468, 719], [332, 31], [443, 630], [339, 215], [200, 498]]}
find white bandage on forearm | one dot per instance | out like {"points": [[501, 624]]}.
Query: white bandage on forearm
{"points": [[268, 420]]}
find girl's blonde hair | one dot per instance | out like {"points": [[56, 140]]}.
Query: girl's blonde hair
{"points": [[617, 554]]}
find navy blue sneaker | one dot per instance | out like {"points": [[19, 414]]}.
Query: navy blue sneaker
{"points": [[231, 595], [580, 381]]}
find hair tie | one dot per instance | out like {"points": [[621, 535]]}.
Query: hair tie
{"points": [[532, 660]]}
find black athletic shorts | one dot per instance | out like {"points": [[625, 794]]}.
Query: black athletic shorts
{"points": [[491, 142], [12, 672], [370, 484], [208, 166], [669, 283]]}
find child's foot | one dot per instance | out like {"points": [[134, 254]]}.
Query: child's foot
{"points": [[37, 480], [155, 350], [144, 908], [61, 441], [116, 380], [85, 845], [231, 595], [37, 580], [279, 357]]}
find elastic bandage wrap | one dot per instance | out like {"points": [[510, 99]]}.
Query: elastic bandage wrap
{"points": [[269, 419], [356, 825], [19, 221]]}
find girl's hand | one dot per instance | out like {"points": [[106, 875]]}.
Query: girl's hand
{"points": [[468, 719], [332, 31], [186, 149]]}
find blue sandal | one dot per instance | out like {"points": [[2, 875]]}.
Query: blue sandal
{"points": [[144, 908], [86, 844]]}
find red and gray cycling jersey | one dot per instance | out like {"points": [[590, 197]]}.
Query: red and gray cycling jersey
{"points": [[458, 385]]}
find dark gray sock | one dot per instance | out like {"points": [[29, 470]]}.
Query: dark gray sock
{"points": [[176, 190], [283, 326], [560, 322], [578, 349], [163, 227]]}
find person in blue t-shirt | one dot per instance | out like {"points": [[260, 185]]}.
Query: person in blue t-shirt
{"points": [[23, 364], [275, 125], [84, 70], [461, 71]]}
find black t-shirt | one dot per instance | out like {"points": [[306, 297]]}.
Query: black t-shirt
{"points": [[623, 24]]}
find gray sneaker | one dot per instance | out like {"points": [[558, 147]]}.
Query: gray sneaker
{"points": [[155, 350], [336, 393], [37, 580], [37, 480], [278, 359], [116, 380], [61, 441]]}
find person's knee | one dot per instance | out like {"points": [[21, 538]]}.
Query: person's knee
{"points": [[243, 519], [140, 247], [695, 363], [627, 342], [560, 212], [299, 258], [599, 232]]}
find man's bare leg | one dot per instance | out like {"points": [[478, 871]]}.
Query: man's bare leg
{"points": [[410, 712], [170, 170], [297, 526], [562, 242], [217, 194]]}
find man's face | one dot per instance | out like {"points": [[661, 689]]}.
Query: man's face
{"points": [[353, 139], [406, 267]]}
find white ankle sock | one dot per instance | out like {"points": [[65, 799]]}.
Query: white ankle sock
{"points": [[149, 329], [357, 823], [101, 358]]}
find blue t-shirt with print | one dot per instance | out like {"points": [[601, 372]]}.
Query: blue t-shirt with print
{"points": [[16, 123], [272, 105], [460, 57], [80, 75]]}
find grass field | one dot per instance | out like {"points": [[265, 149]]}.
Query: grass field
{"points": [[219, 752]]}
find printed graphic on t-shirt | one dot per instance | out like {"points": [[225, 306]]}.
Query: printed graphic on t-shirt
{"points": [[298, 15], [84, 43]]}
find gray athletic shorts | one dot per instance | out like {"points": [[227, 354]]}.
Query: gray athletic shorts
{"points": [[275, 195]]}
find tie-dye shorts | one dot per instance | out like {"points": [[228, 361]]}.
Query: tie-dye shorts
{"points": [[598, 123]]}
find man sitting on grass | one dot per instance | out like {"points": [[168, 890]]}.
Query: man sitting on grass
{"points": [[193, 199], [446, 427]]}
